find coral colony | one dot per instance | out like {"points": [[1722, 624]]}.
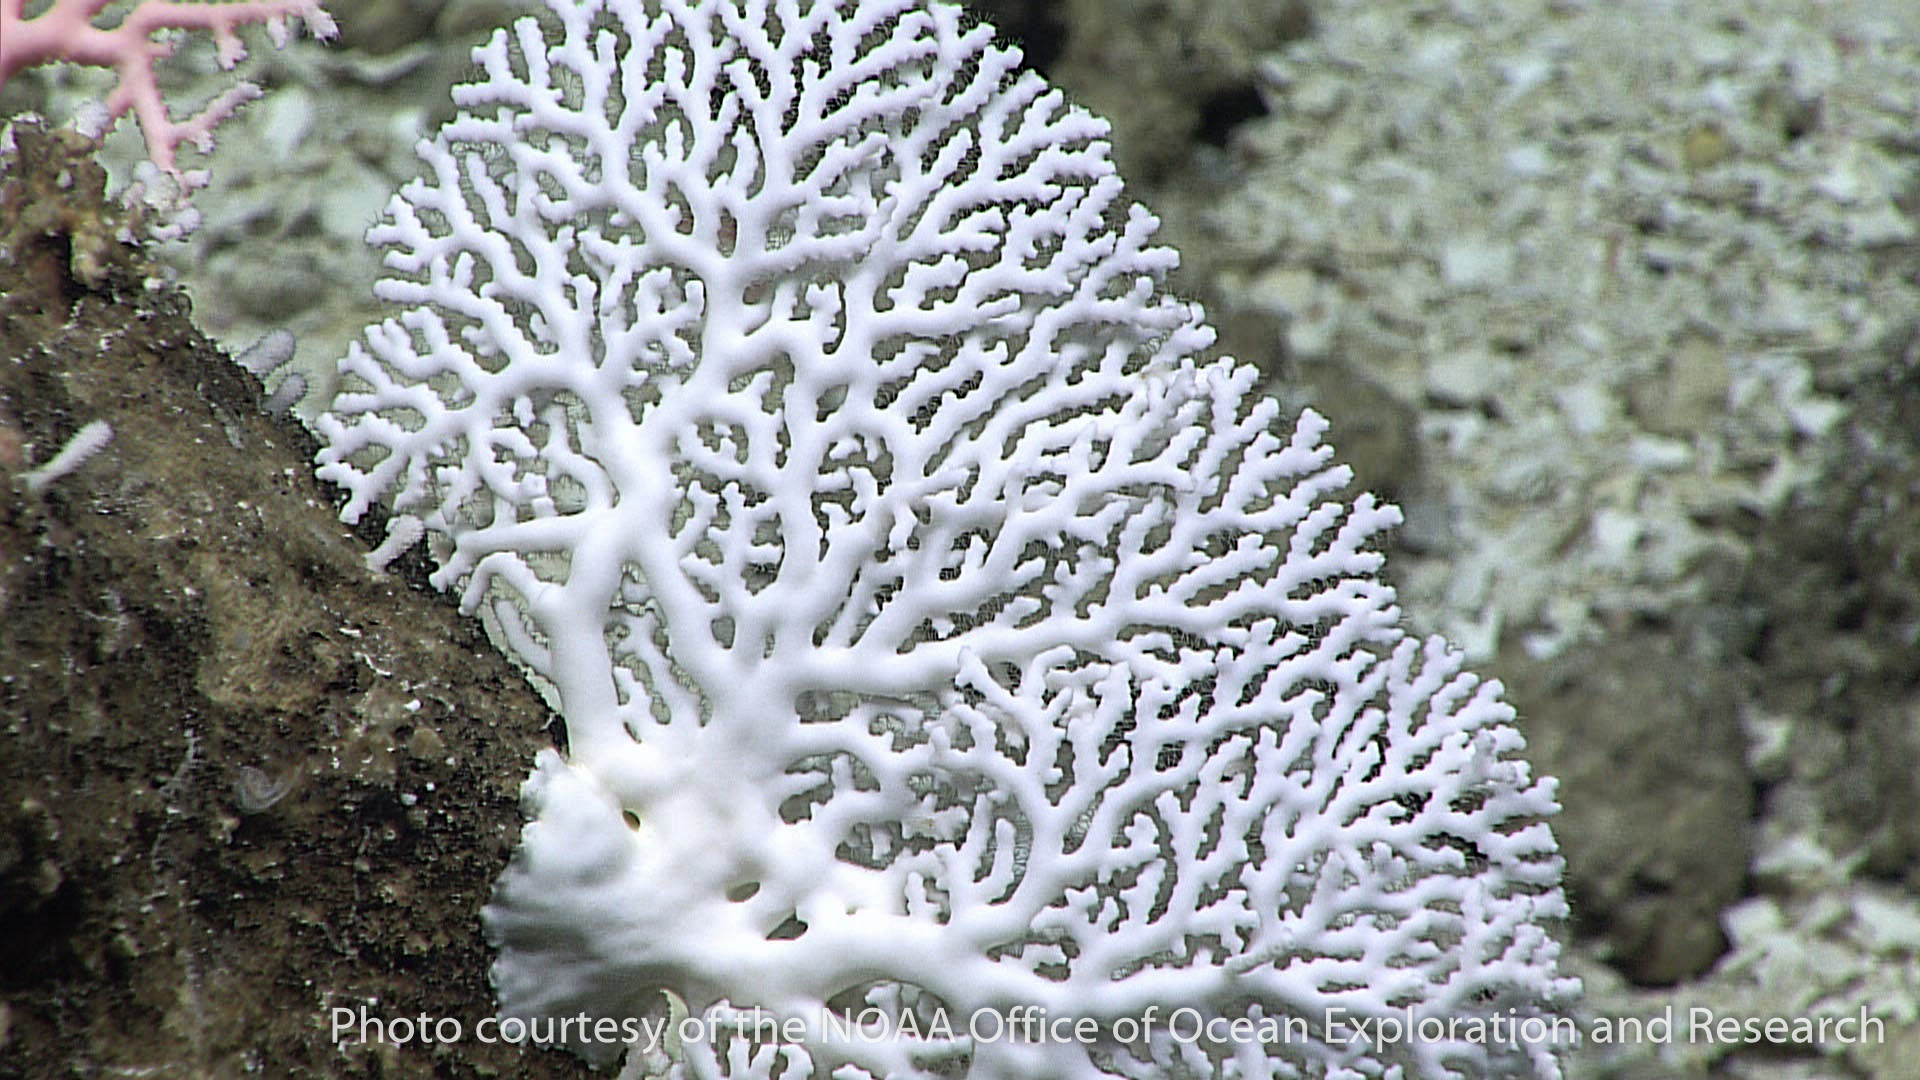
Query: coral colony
{"points": [[65, 31], [942, 643]]}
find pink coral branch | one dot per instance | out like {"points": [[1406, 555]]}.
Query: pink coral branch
{"points": [[66, 32]]}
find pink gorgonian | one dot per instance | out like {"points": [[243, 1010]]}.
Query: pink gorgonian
{"points": [[66, 32]]}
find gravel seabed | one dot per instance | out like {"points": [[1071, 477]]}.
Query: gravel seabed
{"points": [[1637, 271]]}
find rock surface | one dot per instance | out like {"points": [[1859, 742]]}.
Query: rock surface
{"points": [[243, 780]]}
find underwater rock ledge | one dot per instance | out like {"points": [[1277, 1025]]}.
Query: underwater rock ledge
{"points": [[229, 753]]}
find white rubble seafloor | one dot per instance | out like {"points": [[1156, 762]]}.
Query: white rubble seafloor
{"points": [[1620, 301]]}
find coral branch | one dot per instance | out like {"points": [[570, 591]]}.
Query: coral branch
{"points": [[65, 32]]}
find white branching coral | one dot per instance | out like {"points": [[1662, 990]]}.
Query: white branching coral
{"points": [[937, 633]]}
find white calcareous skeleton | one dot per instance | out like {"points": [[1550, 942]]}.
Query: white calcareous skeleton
{"points": [[937, 630]]}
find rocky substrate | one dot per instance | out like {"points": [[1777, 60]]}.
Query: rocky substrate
{"points": [[244, 780]]}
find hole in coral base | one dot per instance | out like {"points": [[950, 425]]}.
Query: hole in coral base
{"points": [[788, 930]]}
